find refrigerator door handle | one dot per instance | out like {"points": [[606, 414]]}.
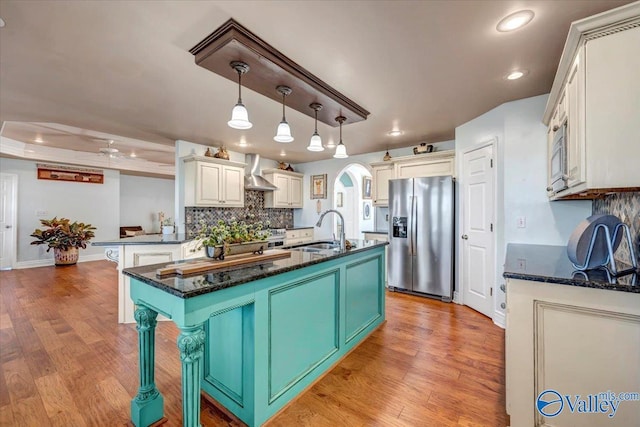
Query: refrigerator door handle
{"points": [[414, 224]]}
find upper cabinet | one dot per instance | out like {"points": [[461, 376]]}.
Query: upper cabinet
{"points": [[289, 192], [595, 100], [417, 166], [213, 182]]}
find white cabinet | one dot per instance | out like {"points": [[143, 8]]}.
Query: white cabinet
{"points": [[382, 173], [213, 182], [574, 340], [299, 235], [423, 165], [596, 91], [289, 192]]}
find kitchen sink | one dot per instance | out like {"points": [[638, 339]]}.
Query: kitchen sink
{"points": [[324, 247]]}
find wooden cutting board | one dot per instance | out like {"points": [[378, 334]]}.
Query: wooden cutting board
{"points": [[230, 261]]}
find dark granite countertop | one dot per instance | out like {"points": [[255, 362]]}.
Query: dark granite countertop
{"points": [[550, 264], [146, 239], [202, 283], [375, 232], [298, 228]]}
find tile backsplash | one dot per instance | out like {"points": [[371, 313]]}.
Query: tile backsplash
{"points": [[625, 206], [253, 210]]}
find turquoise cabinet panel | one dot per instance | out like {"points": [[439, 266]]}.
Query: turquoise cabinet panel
{"points": [[363, 297], [229, 355], [303, 329]]}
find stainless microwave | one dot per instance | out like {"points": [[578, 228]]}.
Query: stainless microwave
{"points": [[558, 163]]}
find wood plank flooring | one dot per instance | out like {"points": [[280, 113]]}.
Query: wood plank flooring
{"points": [[65, 361]]}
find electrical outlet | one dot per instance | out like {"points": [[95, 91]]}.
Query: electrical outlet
{"points": [[41, 213], [522, 222]]}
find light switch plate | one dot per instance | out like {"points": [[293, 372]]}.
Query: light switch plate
{"points": [[522, 222]]}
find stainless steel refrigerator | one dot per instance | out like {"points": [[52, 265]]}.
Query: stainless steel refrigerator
{"points": [[421, 236]]}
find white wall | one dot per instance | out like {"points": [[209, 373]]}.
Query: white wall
{"points": [[97, 204], [308, 216], [520, 159], [141, 198]]}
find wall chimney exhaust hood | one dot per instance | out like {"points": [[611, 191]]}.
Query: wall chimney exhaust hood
{"points": [[253, 179]]}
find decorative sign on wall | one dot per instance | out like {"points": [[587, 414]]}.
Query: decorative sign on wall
{"points": [[319, 186], [69, 173]]}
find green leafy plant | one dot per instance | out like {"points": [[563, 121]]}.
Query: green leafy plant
{"points": [[63, 234], [230, 232], [167, 221]]}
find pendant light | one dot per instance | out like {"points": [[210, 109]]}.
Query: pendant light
{"points": [[239, 115], [315, 144], [283, 134], [341, 150]]}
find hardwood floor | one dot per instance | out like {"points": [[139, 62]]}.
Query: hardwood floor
{"points": [[65, 361]]}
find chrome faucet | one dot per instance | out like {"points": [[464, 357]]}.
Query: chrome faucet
{"points": [[342, 238]]}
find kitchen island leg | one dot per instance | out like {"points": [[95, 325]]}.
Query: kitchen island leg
{"points": [[191, 344], [148, 406]]}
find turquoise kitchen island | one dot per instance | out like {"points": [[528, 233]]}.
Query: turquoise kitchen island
{"points": [[254, 337]]}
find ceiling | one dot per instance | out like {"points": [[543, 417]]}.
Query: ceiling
{"points": [[77, 73]]}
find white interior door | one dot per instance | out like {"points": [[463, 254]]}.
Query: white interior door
{"points": [[478, 238], [8, 208]]}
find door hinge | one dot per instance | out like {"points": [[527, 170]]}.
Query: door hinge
{"points": [[491, 162], [491, 227], [490, 292]]}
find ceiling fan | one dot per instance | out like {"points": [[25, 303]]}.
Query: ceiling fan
{"points": [[109, 150]]}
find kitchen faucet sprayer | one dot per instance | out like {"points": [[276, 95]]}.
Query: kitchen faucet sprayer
{"points": [[342, 237]]}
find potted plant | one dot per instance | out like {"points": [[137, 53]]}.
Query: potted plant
{"points": [[167, 226], [65, 237], [233, 237]]}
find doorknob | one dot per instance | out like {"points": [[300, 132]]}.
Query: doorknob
{"points": [[7, 226], [465, 237]]}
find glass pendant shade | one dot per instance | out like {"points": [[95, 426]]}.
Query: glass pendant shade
{"points": [[341, 151], [316, 143], [284, 133], [239, 117], [239, 114]]}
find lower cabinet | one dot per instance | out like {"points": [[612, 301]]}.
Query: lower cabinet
{"points": [[261, 354], [299, 235], [567, 349]]}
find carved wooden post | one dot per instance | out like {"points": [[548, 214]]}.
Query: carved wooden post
{"points": [[147, 406], [191, 345]]}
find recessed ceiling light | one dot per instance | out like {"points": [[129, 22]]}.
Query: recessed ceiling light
{"points": [[38, 140], [515, 20], [283, 154], [133, 155], [395, 133], [515, 75]]}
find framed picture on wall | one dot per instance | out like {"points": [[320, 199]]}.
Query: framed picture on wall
{"points": [[366, 210], [366, 187], [318, 186], [339, 199]]}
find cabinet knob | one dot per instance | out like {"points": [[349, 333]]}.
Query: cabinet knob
{"points": [[465, 237], [503, 305], [556, 127], [549, 188], [502, 288]]}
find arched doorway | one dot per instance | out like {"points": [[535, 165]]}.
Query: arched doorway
{"points": [[349, 199]]}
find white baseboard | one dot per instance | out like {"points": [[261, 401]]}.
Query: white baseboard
{"points": [[499, 319], [456, 297], [50, 261]]}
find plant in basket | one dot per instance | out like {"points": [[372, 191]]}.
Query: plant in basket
{"points": [[65, 237], [232, 237]]}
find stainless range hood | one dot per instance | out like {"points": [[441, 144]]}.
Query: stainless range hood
{"points": [[253, 179]]}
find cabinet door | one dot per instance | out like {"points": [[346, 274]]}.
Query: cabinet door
{"points": [[233, 187], [281, 195], [381, 177], [208, 183], [574, 100], [295, 192], [424, 169]]}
